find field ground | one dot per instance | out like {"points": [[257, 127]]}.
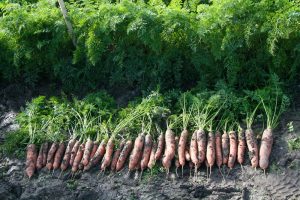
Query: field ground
{"points": [[282, 180]]}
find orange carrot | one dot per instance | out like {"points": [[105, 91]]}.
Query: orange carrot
{"points": [[194, 149], [201, 143], [78, 158], [97, 157], [146, 151], [116, 156], [74, 152], [39, 160], [265, 148], [31, 157], [211, 150], [124, 154], [137, 152], [45, 152], [95, 147], [58, 155], [169, 150], [252, 147], [225, 147], [219, 158], [87, 151], [66, 160], [241, 147], [151, 162], [232, 149], [51, 154], [108, 154], [182, 146], [160, 146]]}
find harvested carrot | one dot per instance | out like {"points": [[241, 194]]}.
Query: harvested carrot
{"points": [[51, 154], [169, 150], [87, 151], [39, 160], [137, 152], [225, 147], [182, 146], [265, 148], [116, 156], [124, 154], [58, 155], [160, 146], [146, 151], [194, 150], [232, 149], [74, 152], [211, 150], [108, 154], [31, 157], [97, 157], [201, 143], [66, 160], [95, 147], [45, 152], [78, 158], [219, 157], [241, 147], [252, 147], [151, 162]]}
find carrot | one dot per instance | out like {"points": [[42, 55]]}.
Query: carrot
{"points": [[219, 157], [194, 150], [252, 147], [58, 155], [123, 156], [137, 152], [225, 147], [95, 147], [66, 160], [87, 151], [78, 158], [39, 160], [97, 157], [146, 151], [211, 151], [108, 154], [241, 147], [187, 155], [31, 157], [169, 150], [177, 164], [151, 162], [265, 148], [201, 143], [232, 149], [51, 154], [160, 146], [116, 156], [45, 152], [182, 146], [74, 152]]}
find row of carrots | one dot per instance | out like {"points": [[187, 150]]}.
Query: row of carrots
{"points": [[197, 148]]}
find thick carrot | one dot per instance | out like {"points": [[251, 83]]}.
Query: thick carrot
{"points": [[146, 151], [169, 150], [151, 162], [116, 156], [39, 160], [31, 157], [78, 158], [97, 157], [74, 152], [58, 155], [182, 146], [87, 151], [194, 149], [265, 148], [232, 149], [45, 152], [160, 146], [51, 154], [95, 147], [241, 147], [211, 150], [219, 157], [252, 147], [124, 154], [225, 147], [108, 154], [66, 160], [136, 153], [201, 143]]}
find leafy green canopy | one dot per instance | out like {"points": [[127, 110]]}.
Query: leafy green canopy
{"points": [[175, 44]]}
